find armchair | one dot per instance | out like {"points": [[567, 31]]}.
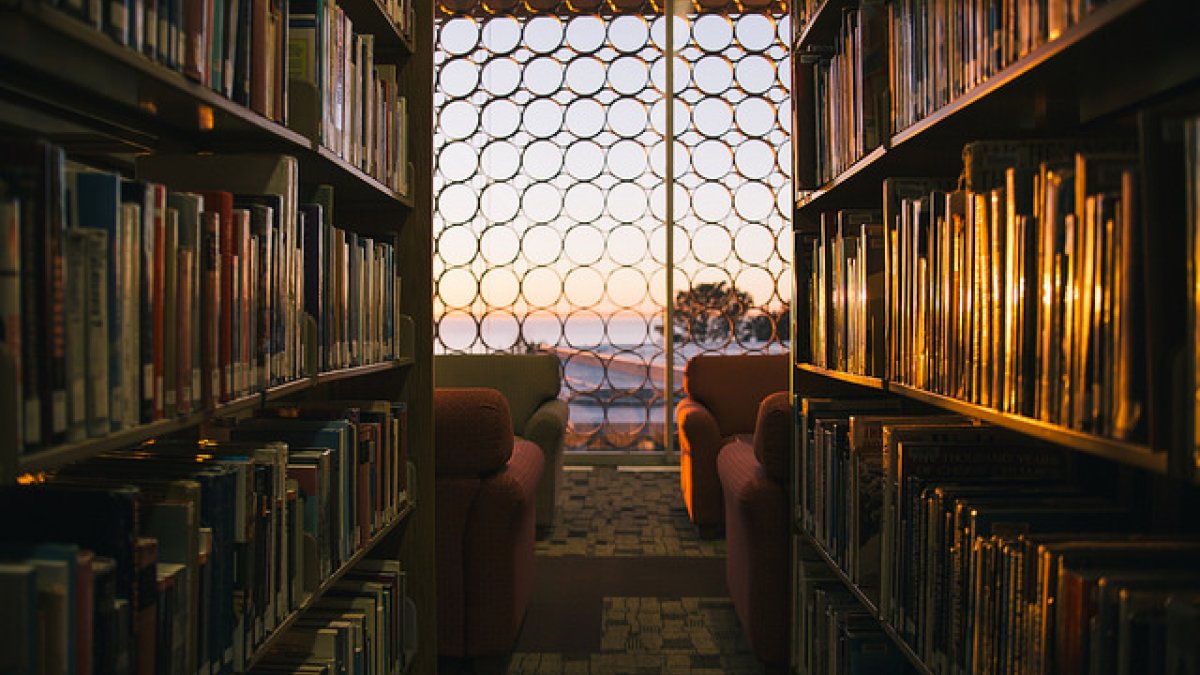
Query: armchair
{"points": [[754, 477], [530, 383], [486, 483], [722, 396]]}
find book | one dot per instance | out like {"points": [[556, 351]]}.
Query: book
{"points": [[12, 400]]}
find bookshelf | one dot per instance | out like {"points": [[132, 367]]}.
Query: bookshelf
{"points": [[1073, 86], [106, 103]]}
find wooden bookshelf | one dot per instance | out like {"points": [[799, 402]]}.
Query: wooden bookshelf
{"points": [[62, 79], [311, 599], [1074, 86], [902, 646]]}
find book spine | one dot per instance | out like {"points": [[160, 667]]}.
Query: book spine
{"points": [[55, 389], [11, 395], [158, 301], [185, 293], [212, 316], [98, 347], [227, 276], [131, 376], [171, 317], [75, 255]]}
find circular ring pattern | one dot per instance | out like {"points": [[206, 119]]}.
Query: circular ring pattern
{"points": [[499, 245]]}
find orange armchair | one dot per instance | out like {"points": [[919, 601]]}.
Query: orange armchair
{"points": [[722, 396]]}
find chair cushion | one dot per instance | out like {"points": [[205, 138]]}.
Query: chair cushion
{"points": [[731, 386], [472, 431], [773, 435], [526, 380]]}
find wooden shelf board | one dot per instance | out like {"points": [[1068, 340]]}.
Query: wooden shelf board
{"points": [[356, 371], [823, 24], [74, 452], [897, 639], [365, 188], [851, 378], [370, 16], [813, 198], [1122, 451], [312, 598], [1101, 17], [1126, 452]]}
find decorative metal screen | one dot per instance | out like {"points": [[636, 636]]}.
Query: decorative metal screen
{"points": [[551, 185]]}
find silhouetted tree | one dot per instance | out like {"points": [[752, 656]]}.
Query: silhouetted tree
{"points": [[709, 311]]}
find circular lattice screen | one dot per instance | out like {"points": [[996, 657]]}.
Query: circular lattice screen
{"points": [[551, 186]]}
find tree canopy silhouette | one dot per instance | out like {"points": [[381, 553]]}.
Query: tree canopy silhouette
{"points": [[709, 311]]}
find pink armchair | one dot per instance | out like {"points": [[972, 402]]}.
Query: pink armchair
{"points": [[753, 477], [485, 508]]}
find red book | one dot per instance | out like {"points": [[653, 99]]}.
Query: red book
{"points": [[222, 204], [197, 15], [160, 290], [84, 611], [210, 307], [260, 56], [145, 618], [183, 355]]}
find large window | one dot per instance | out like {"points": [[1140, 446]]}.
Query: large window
{"points": [[552, 225]]}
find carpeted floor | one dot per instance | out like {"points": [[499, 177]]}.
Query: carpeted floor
{"points": [[626, 586]]}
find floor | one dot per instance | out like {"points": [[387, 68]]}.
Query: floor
{"points": [[625, 586]]}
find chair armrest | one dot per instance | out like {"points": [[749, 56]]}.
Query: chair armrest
{"points": [[698, 427], [547, 425]]}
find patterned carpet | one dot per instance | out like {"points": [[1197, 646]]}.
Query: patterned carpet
{"points": [[624, 549], [626, 511]]}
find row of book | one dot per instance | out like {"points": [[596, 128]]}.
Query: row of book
{"points": [[850, 90], [1018, 290], [238, 48], [297, 62], [941, 49], [890, 65], [847, 330], [833, 633], [184, 556], [362, 625], [125, 302], [983, 549], [343, 97]]}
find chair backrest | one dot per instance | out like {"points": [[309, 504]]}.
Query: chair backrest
{"points": [[773, 435], [732, 386], [526, 380], [472, 434]]}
